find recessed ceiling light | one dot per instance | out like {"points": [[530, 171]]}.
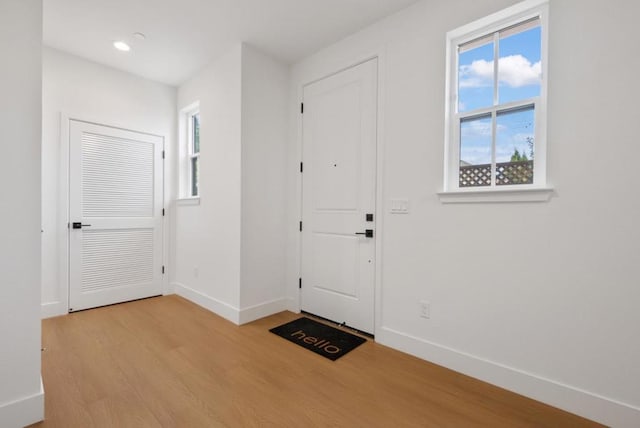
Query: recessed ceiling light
{"points": [[139, 36], [121, 46]]}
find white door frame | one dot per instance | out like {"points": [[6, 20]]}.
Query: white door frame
{"points": [[63, 207], [315, 76]]}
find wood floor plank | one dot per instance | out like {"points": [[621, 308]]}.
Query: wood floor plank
{"points": [[165, 362]]}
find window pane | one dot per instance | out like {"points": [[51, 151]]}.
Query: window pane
{"points": [[195, 171], [475, 76], [196, 133], [515, 146], [519, 66], [475, 152]]}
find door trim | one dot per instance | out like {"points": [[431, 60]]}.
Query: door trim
{"points": [[306, 79], [62, 307]]}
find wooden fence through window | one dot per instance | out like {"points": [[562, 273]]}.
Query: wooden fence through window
{"points": [[520, 172]]}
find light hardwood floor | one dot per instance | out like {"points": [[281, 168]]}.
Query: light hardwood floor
{"points": [[165, 362]]}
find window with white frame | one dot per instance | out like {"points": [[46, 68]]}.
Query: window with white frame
{"points": [[190, 143], [194, 153], [496, 92]]}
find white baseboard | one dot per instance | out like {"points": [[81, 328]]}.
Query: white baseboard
{"points": [[227, 311], [216, 306], [262, 310], [53, 309], [169, 288], [586, 404], [293, 305], [23, 412]]}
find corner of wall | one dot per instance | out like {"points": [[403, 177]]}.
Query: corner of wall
{"points": [[53, 309], [218, 307], [262, 310], [293, 305], [23, 412], [264, 134]]}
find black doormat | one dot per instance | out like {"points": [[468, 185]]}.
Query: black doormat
{"points": [[317, 337]]}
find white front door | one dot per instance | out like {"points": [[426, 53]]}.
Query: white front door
{"points": [[115, 209], [339, 176]]}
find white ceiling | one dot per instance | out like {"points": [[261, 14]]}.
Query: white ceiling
{"points": [[184, 35]]}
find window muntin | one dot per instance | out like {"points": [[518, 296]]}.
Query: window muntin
{"points": [[496, 124]]}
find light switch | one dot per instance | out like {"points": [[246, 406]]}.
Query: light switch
{"points": [[399, 206]]}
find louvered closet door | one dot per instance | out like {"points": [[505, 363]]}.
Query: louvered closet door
{"points": [[115, 209]]}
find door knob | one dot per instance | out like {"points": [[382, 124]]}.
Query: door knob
{"points": [[368, 233], [78, 225]]}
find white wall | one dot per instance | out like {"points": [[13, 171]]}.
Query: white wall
{"points": [[539, 298], [88, 91], [207, 246], [265, 86], [230, 245], [21, 395]]}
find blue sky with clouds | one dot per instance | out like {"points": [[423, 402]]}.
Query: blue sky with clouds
{"points": [[518, 78]]}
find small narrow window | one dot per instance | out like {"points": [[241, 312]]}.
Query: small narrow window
{"points": [[194, 153], [189, 124], [495, 137]]}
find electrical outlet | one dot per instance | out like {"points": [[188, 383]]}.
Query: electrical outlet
{"points": [[425, 309]]}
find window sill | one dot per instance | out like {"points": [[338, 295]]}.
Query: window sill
{"points": [[188, 201], [496, 196]]}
